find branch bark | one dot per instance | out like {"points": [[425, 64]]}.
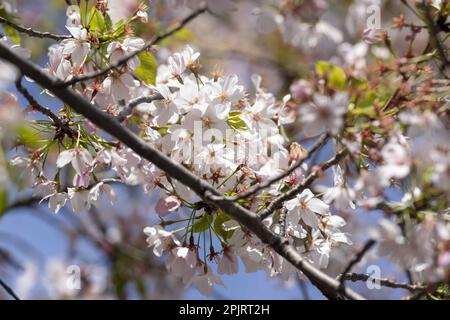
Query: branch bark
{"points": [[128, 110], [358, 257], [384, 282], [319, 144], [326, 284], [8, 290], [34, 33], [278, 202]]}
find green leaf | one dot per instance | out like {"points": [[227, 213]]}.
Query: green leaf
{"points": [[202, 224], [335, 76], [108, 22], [29, 136], [218, 226], [147, 69], [97, 22], [10, 32], [235, 121], [119, 28]]}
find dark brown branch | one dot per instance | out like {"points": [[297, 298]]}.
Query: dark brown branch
{"points": [[124, 60], [358, 257], [8, 290], [63, 127], [434, 35], [327, 285], [354, 277], [33, 33], [278, 202], [319, 144], [128, 110]]}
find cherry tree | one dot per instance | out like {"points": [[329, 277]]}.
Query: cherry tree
{"points": [[236, 173]]}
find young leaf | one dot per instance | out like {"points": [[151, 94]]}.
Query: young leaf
{"points": [[202, 224], [147, 69], [97, 22], [336, 76]]}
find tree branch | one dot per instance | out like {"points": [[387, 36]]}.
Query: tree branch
{"points": [[124, 60], [369, 244], [320, 143], [384, 282], [63, 127], [8, 290], [33, 33], [278, 202], [128, 110], [434, 35], [327, 285]]}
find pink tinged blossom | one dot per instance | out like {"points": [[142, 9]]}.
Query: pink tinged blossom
{"points": [[116, 89], [323, 114], [285, 114], [165, 110], [167, 205], [190, 56], [205, 282], [81, 160], [177, 66], [45, 188], [79, 47], [79, 199], [118, 51], [305, 207], [97, 190], [31, 169], [58, 65], [56, 201], [227, 90], [228, 263], [82, 180], [160, 239], [301, 90], [340, 194], [397, 161], [444, 259], [142, 15], [183, 263], [73, 16]]}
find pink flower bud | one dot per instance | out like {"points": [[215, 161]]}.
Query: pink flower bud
{"points": [[301, 90]]}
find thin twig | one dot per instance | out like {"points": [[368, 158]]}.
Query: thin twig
{"points": [[319, 143], [358, 257], [278, 202], [354, 277], [64, 127], [124, 60], [128, 110], [34, 33], [8, 290]]}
